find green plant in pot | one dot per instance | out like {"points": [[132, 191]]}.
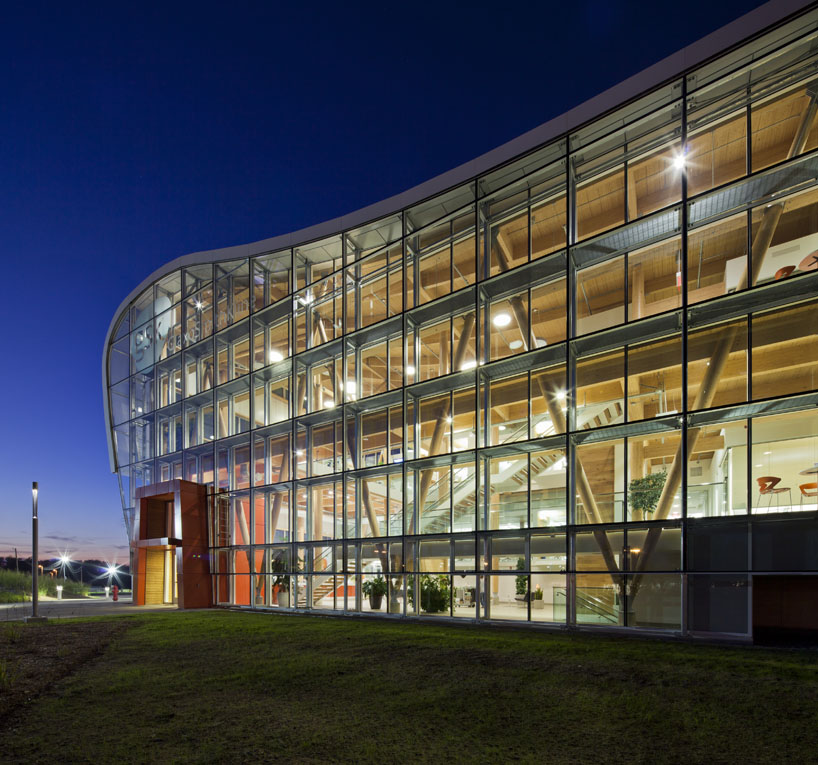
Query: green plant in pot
{"points": [[537, 601], [521, 582], [434, 593], [644, 493], [280, 583], [375, 589]]}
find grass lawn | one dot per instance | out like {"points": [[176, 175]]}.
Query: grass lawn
{"points": [[217, 686]]}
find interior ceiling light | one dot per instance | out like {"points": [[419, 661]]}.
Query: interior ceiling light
{"points": [[410, 370], [501, 320], [561, 395], [468, 365], [515, 344], [275, 356], [679, 161]]}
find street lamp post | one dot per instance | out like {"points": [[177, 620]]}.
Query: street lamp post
{"points": [[65, 560], [35, 593]]}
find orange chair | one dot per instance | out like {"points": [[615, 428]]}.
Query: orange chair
{"points": [[808, 490], [768, 485], [784, 272]]}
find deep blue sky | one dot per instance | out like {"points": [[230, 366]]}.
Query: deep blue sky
{"points": [[136, 132]]}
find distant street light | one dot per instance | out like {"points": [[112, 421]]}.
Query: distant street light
{"points": [[65, 559]]}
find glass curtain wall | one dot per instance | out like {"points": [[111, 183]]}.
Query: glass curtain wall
{"points": [[557, 394]]}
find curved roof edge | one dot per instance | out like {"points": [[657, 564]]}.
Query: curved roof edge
{"points": [[741, 30]]}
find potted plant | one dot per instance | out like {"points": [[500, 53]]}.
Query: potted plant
{"points": [[280, 583], [521, 583], [644, 493], [537, 601], [434, 593], [375, 589]]}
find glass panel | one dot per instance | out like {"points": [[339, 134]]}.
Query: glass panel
{"points": [[598, 600], [600, 296], [777, 123], [315, 261], [432, 593], [785, 462], [548, 313], [655, 279], [549, 553], [600, 495], [650, 459], [785, 351], [464, 596], [508, 410], [507, 597], [717, 470], [548, 598], [549, 495], [785, 237], [600, 390], [232, 292], [119, 362], [549, 405], [508, 492], [718, 603], [657, 603], [655, 378], [717, 259], [271, 278], [717, 365]]}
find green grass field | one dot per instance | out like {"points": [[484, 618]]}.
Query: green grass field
{"points": [[216, 686]]}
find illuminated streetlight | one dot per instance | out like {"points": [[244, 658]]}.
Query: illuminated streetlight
{"points": [[65, 560], [35, 593]]}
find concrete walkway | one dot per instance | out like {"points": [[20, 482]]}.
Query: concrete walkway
{"points": [[65, 609]]}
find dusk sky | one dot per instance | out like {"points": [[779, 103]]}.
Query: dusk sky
{"points": [[133, 133]]}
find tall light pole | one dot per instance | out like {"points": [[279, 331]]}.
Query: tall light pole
{"points": [[35, 593]]}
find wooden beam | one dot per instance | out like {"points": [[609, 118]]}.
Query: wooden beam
{"points": [[440, 424], [589, 505]]}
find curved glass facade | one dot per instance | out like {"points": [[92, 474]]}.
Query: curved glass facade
{"points": [[578, 390]]}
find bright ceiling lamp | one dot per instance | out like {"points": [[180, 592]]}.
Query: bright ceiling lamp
{"points": [[501, 320], [680, 160], [468, 365], [275, 356]]}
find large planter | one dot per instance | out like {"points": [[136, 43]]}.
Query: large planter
{"points": [[375, 602], [283, 598], [537, 604]]}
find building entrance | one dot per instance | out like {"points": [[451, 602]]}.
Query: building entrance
{"points": [[171, 561], [160, 576]]}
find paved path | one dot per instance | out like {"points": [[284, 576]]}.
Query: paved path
{"points": [[65, 609]]}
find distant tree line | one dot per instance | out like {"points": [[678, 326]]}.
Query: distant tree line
{"points": [[88, 571]]}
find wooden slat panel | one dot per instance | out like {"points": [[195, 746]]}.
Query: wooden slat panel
{"points": [[154, 577]]}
